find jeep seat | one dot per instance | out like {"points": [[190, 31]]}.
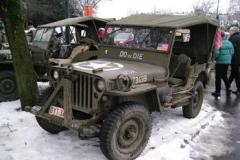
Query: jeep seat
{"points": [[66, 61], [179, 69]]}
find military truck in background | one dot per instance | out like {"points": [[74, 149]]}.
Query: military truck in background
{"points": [[57, 43], [7, 76]]}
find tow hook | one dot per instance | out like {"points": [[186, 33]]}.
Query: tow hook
{"points": [[87, 132]]}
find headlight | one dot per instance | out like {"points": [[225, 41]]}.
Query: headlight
{"points": [[100, 85], [124, 82], [55, 75]]}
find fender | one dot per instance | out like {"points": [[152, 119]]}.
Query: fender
{"points": [[149, 91]]}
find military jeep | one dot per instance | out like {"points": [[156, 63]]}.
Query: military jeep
{"points": [[53, 44], [147, 63], [63, 42]]}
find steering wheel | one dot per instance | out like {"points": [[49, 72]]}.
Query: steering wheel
{"points": [[90, 42]]}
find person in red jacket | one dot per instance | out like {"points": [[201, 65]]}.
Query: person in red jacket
{"points": [[101, 33]]}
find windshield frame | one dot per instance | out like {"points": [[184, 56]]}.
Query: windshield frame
{"points": [[40, 39], [43, 45], [150, 56]]}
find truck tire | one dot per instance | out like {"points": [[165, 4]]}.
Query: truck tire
{"points": [[8, 86], [43, 123], [125, 133], [193, 109]]}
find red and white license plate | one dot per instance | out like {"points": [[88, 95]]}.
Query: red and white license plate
{"points": [[56, 111]]}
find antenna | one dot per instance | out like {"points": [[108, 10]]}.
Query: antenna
{"points": [[218, 10]]}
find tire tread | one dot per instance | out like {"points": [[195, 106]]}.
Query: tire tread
{"points": [[110, 123]]}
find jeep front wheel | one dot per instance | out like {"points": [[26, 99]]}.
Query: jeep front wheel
{"points": [[125, 133], [8, 86], [193, 109], [48, 126], [43, 123]]}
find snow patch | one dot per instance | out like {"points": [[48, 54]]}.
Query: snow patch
{"points": [[173, 136]]}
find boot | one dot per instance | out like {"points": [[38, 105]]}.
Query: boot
{"points": [[236, 92], [216, 95], [228, 92]]}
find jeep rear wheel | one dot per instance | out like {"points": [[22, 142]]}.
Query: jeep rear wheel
{"points": [[8, 86], [125, 133], [193, 109]]}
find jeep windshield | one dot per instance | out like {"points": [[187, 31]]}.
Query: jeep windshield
{"points": [[43, 34], [158, 39], [42, 38]]}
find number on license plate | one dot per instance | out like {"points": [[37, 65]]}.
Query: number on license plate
{"points": [[56, 111]]}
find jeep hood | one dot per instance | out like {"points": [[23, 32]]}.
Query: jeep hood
{"points": [[110, 68]]}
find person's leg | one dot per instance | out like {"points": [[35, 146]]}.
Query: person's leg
{"points": [[237, 79], [231, 78], [217, 80], [236, 74], [225, 78]]}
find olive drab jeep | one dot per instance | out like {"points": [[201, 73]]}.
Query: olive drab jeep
{"points": [[64, 42], [147, 63], [57, 43]]}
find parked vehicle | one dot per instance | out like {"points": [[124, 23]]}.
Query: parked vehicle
{"points": [[57, 43], [146, 63]]}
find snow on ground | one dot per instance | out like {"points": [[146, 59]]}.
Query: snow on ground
{"points": [[173, 137], [176, 137]]}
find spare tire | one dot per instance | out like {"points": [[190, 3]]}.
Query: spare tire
{"points": [[8, 86]]}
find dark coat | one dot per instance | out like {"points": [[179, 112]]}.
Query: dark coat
{"points": [[235, 39]]}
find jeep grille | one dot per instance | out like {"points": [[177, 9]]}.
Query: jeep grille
{"points": [[84, 94]]}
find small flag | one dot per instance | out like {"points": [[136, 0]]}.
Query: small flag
{"points": [[218, 39], [162, 47]]}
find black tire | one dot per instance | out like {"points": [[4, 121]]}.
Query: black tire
{"points": [[48, 126], [134, 122], [8, 86], [43, 123], [193, 109]]}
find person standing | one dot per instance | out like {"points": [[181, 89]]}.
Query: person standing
{"points": [[101, 33], [30, 32], [223, 57], [235, 65]]}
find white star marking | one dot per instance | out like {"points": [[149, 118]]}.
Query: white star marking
{"points": [[91, 65]]}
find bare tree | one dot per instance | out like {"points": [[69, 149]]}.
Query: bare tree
{"points": [[44, 11], [162, 12], [93, 3], [79, 4], [234, 10], [203, 7]]}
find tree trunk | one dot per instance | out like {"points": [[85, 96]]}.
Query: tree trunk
{"points": [[10, 11]]}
